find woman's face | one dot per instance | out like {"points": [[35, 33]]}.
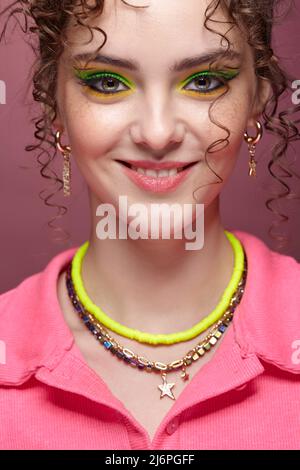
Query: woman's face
{"points": [[156, 110]]}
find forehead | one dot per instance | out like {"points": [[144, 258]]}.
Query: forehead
{"points": [[160, 34]]}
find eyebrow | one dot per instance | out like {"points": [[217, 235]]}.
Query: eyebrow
{"points": [[179, 66]]}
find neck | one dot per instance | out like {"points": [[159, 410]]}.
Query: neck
{"points": [[151, 284]]}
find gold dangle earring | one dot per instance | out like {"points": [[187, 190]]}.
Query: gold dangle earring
{"points": [[66, 151], [252, 142]]}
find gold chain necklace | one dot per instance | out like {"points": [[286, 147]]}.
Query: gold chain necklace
{"points": [[142, 363]]}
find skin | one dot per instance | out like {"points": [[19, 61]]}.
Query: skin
{"points": [[148, 284]]}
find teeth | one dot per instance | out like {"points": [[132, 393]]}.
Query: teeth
{"points": [[155, 173], [151, 173]]}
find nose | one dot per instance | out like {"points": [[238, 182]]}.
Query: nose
{"points": [[157, 129]]}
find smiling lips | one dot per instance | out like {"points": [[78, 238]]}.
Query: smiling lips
{"points": [[156, 177]]}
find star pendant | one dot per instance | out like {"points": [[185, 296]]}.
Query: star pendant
{"points": [[165, 388]]}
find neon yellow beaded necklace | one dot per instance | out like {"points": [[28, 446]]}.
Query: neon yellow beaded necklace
{"points": [[172, 338]]}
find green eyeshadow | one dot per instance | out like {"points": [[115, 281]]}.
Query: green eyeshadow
{"points": [[225, 74], [91, 74]]}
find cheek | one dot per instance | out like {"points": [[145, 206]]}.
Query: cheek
{"points": [[93, 129], [223, 154], [224, 130], [223, 133]]}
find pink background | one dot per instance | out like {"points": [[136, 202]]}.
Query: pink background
{"points": [[26, 244]]}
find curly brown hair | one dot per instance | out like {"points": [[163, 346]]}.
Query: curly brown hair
{"points": [[47, 20]]}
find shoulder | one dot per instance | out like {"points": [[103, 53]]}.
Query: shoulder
{"points": [[268, 318], [28, 321], [30, 290]]}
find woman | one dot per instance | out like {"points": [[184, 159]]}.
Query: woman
{"points": [[192, 348]]}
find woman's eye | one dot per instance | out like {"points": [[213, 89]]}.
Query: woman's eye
{"points": [[208, 82], [106, 84], [204, 84], [103, 83]]}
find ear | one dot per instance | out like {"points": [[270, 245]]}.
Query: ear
{"points": [[263, 93], [57, 124]]}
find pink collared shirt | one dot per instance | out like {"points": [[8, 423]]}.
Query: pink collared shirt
{"points": [[246, 397]]}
